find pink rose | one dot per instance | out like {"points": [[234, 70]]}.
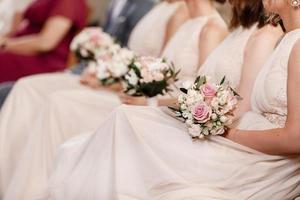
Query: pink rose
{"points": [[208, 90], [202, 112]]}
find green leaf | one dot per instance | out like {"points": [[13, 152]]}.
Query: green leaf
{"points": [[185, 91], [223, 80], [202, 80], [197, 79], [236, 94]]}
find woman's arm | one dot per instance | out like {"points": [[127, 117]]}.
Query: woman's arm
{"points": [[259, 47], [15, 24], [212, 35], [179, 17], [281, 141], [52, 33]]}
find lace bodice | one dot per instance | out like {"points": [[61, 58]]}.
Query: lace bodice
{"points": [[183, 48], [227, 59], [269, 96], [148, 36]]}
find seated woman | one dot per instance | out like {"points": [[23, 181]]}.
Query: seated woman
{"points": [[142, 153], [41, 42]]}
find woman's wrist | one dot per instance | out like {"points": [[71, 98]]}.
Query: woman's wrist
{"points": [[231, 134], [152, 102], [3, 44]]}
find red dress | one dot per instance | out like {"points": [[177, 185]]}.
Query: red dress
{"points": [[14, 66]]}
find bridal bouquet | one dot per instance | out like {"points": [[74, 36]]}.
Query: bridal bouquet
{"points": [[206, 107], [113, 67], [149, 77], [91, 43]]}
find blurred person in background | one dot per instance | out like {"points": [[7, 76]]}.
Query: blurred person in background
{"points": [[98, 11], [42, 38], [123, 15], [127, 14]]}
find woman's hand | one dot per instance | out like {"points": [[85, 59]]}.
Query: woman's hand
{"points": [[90, 79], [130, 100], [2, 43]]}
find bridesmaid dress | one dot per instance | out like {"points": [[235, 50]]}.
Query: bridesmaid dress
{"points": [[142, 153], [147, 38], [69, 113]]}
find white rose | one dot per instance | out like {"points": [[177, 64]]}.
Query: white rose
{"points": [[118, 69], [83, 52], [102, 72], [195, 130], [192, 92], [132, 78], [189, 122], [190, 101]]}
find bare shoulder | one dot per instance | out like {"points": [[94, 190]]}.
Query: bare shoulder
{"points": [[214, 27], [267, 33], [296, 48], [179, 17], [264, 39]]}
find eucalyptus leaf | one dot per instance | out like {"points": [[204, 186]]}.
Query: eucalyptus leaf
{"points": [[223, 80]]}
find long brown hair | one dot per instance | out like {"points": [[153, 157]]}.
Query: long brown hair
{"points": [[276, 20], [246, 13]]}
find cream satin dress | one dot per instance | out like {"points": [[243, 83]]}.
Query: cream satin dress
{"points": [[140, 153], [68, 113], [147, 37]]}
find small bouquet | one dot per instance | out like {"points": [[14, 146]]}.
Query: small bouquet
{"points": [[113, 67], [91, 43], [207, 108], [149, 77]]}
